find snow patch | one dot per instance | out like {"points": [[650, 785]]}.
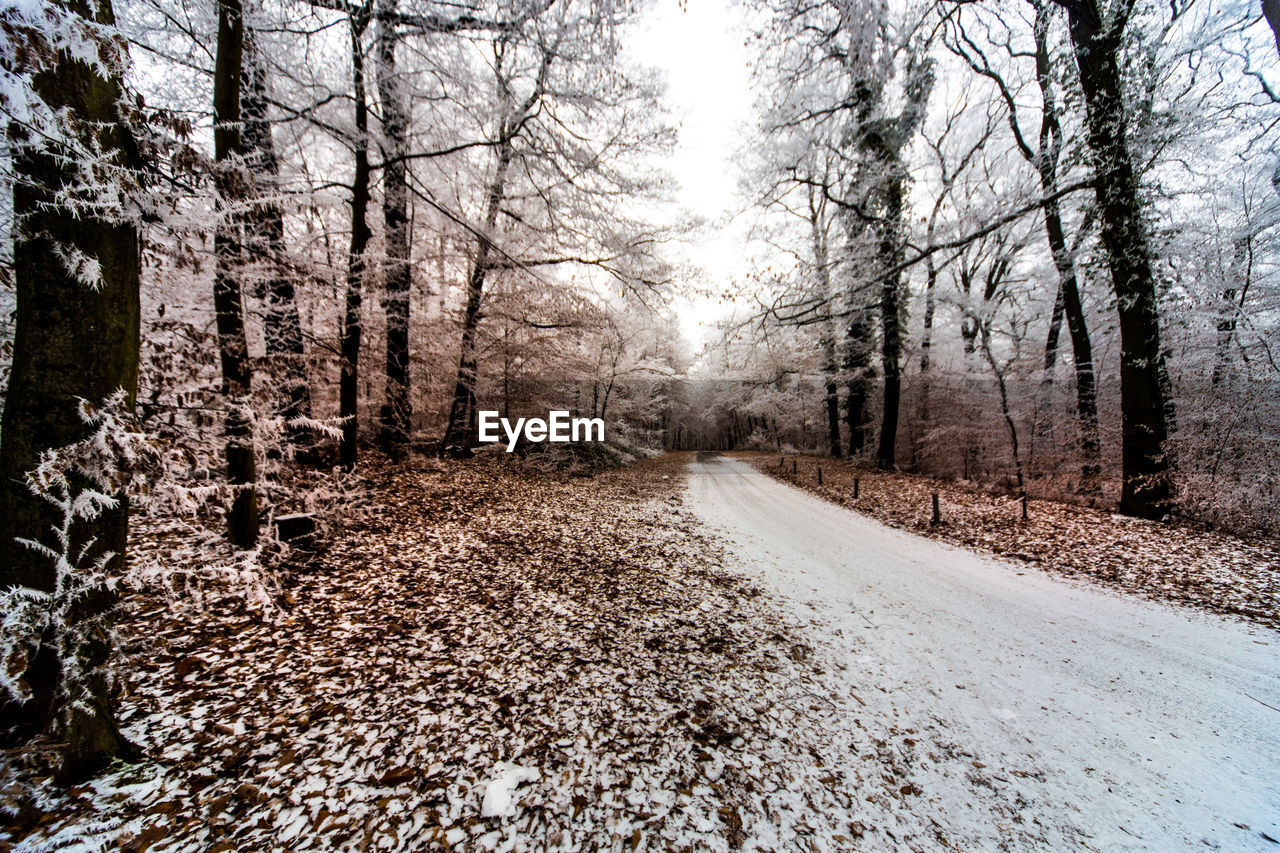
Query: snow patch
{"points": [[499, 792]]}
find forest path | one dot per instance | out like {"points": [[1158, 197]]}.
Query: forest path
{"points": [[1142, 725]]}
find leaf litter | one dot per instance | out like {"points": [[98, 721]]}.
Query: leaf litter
{"points": [[1180, 561], [485, 659]]}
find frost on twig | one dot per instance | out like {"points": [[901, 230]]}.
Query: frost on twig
{"points": [[82, 481]]}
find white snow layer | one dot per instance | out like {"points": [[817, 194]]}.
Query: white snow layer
{"points": [[1117, 722], [499, 792]]}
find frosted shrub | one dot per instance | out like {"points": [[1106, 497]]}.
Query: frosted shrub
{"points": [[82, 481]]}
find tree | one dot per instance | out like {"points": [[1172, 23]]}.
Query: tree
{"points": [[264, 243], [228, 302], [397, 408], [349, 376], [1098, 39], [76, 270], [510, 120], [1044, 156], [565, 125], [820, 234]]}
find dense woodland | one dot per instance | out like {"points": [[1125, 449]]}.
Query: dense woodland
{"points": [[1032, 245]]}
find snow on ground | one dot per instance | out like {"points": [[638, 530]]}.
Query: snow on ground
{"points": [[666, 658], [470, 621], [1113, 723], [1181, 562]]}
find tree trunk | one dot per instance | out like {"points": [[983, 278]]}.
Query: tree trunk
{"points": [[926, 337], [890, 324], [71, 342], [397, 409], [833, 417], [1010, 424], [1146, 488], [1043, 427], [1081, 345], [1240, 274], [233, 348], [265, 251], [822, 263], [1053, 338], [462, 412], [1068, 287], [1271, 11], [858, 368], [348, 387]]}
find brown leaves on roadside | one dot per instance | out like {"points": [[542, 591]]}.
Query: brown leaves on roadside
{"points": [[1179, 562]]}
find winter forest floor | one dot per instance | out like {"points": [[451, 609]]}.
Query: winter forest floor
{"points": [[1180, 562], [469, 619], [486, 658]]}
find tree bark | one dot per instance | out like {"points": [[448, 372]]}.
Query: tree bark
{"points": [[1072, 308], [1010, 424], [462, 412], [857, 364], [348, 383], [1146, 488], [397, 409], [1271, 11], [1081, 345], [1240, 275], [233, 348], [265, 250], [71, 342], [830, 366], [891, 324]]}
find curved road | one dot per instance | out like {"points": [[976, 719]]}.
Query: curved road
{"points": [[1142, 726]]}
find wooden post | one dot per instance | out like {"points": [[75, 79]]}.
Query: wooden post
{"points": [[937, 512], [820, 476], [855, 487], [793, 466], [782, 460]]}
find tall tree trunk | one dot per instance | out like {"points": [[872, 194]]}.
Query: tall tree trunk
{"points": [[233, 348], [1053, 338], [1043, 427], [885, 141], [1072, 308], [265, 251], [930, 308], [1010, 424], [1146, 488], [1240, 274], [397, 409], [1081, 345], [891, 324], [830, 365], [71, 342], [462, 412], [858, 369], [348, 383], [926, 336], [833, 410]]}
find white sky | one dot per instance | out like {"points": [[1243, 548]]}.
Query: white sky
{"points": [[700, 48]]}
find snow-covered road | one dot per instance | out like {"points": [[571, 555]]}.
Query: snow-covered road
{"points": [[1137, 725]]}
